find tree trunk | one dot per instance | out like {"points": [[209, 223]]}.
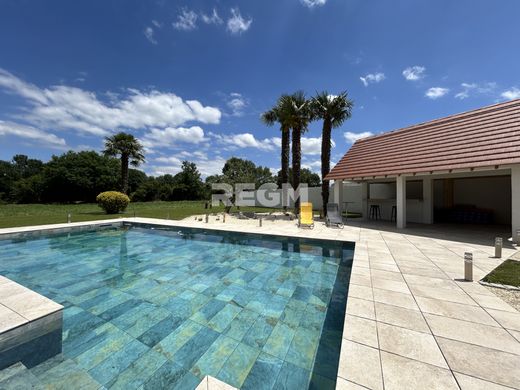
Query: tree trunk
{"points": [[286, 148], [124, 173], [325, 162], [296, 162]]}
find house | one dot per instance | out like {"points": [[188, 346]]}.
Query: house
{"points": [[464, 168]]}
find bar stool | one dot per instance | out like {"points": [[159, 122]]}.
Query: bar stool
{"points": [[375, 211], [393, 216]]}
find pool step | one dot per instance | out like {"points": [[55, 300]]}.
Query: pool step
{"points": [[18, 377]]}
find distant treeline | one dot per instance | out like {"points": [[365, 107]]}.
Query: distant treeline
{"points": [[81, 176]]}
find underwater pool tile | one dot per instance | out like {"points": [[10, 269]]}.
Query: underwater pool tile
{"points": [[175, 340], [223, 318], [241, 324], [195, 347], [211, 362], [139, 371], [303, 346], [259, 332], [117, 362], [292, 377], [264, 373], [238, 365], [206, 312], [166, 377], [279, 341], [160, 330]]}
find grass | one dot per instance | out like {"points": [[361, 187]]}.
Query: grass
{"points": [[14, 215], [507, 273]]}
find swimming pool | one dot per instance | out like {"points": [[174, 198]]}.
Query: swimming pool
{"points": [[149, 307]]}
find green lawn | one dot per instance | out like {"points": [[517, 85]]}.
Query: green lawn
{"points": [[12, 215], [507, 273]]}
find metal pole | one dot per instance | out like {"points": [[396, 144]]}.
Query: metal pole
{"points": [[468, 266], [498, 247], [69, 218], [207, 218], [260, 222], [224, 217]]}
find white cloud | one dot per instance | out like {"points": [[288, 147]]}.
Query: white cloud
{"points": [[436, 92], [69, 108], [236, 24], [207, 165], [186, 20], [173, 135], [352, 137], [40, 137], [237, 103], [313, 3], [149, 34], [313, 145], [414, 73], [372, 78], [474, 88], [248, 140], [510, 94], [157, 24], [214, 18]]}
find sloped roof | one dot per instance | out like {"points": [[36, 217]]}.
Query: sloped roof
{"points": [[484, 137]]}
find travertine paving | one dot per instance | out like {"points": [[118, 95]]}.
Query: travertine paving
{"points": [[412, 322]]}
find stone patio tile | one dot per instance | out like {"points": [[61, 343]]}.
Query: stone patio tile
{"points": [[455, 310], [30, 304], [361, 280], [362, 292], [342, 384], [405, 318], [9, 319], [474, 288], [427, 281], [387, 275], [361, 308], [391, 285], [484, 363], [401, 373], [384, 266], [492, 302], [410, 344], [360, 330], [360, 364], [363, 271], [432, 272], [457, 296], [395, 298], [470, 383], [470, 332]]}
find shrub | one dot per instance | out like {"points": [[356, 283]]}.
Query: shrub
{"points": [[113, 202]]}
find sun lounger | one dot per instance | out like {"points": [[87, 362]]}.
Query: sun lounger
{"points": [[333, 216], [306, 217]]}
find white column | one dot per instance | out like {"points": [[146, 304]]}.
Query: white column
{"points": [[427, 200], [401, 202], [364, 200], [338, 194], [515, 206]]}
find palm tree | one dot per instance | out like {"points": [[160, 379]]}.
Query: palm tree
{"points": [[298, 117], [333, 110], [130, 150], [279, 114]]}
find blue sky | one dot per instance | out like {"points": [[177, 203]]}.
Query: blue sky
{"points": [[191, 78]]}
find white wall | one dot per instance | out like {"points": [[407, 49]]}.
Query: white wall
{"points": [[313, 196]]}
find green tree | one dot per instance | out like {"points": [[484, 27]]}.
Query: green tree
{"points": [[306, 176], [79, 176], [130, 151], [333, 111], [280, 114], [187, 183], [238, 170], [298, 117]]}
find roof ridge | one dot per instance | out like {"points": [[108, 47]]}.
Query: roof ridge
{"points": [[446, 119]]}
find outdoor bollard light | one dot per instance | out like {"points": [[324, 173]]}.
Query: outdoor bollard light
{"points": [[207, 218], [260, 222], [468, 266], [223, 217], [498, 247], [518, 237], [69, 218]]}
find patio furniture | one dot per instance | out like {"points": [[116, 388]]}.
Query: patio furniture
{"points": [[333, 216], [375, 212], [305, 218]]}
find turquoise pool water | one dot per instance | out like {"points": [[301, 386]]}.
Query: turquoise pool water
{"points": [[162, 308]]}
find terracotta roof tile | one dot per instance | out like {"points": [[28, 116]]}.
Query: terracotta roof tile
{"points": [[483, 137]]}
